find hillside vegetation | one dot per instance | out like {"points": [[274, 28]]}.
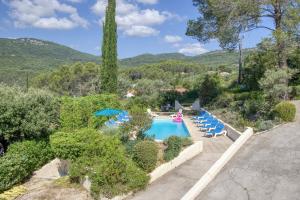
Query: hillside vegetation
{"points": [[24, 57], [34, 54], [27, 56], [210, 59]]}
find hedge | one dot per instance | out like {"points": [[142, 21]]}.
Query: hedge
{"points": [[145, 154], [77, 113], [21, 160], [174, 144], [285, 111]]}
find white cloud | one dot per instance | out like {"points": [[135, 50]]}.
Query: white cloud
{"points": [[141, 31], [148, 1], [123, 7], [132, 20], [172, 38], [44, 14], [141, 18], [54, 23], [192, 49]]}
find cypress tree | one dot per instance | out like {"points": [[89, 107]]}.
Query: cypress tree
{"points": [[109, 68]]}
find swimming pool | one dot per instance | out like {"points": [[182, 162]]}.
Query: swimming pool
{"points": [[161, 129]]}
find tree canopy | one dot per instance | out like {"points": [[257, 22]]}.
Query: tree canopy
{"points": [[226, 19]]}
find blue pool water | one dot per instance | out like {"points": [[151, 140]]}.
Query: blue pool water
{"points": [[161, 129]]}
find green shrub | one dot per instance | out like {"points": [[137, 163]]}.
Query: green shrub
{"points": [[13, 171], [71, 145], [129, 146], [210, 88], [224, 100], [174, 144], [100, 157], [145, 154], [76, 79], [30, 115], [186, 141], [273, 83], [285, 111], [21, 159], [77, 113], [256, 64], [37, 152], [261, 125], [140, 121], [255, 106], [296, 92], [114, 174]]}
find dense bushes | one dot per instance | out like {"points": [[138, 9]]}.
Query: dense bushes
{"points": [[100, 157], [21, 159], [174, 144], [210, 88], [139, 123], [37, 152], [27, 115], [257, 63], [285, 111], [293, 62], [145, 154], [70, 146], [274, 84], [255, 106], [296, 92], [77, 113], [78, 79]]}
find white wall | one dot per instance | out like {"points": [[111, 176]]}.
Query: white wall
{"points": [[185, 155]]}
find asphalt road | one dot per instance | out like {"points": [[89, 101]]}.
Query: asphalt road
{"points": [[266, 168]]}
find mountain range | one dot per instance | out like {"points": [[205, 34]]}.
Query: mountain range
{"points": [[31, 56]]}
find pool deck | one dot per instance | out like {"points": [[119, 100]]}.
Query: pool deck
{"points": [[194, 131], [177, 182]]}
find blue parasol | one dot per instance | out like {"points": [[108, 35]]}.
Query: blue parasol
{"points": [[108, 112]]}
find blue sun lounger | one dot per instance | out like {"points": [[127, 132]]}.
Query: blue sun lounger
{"points": [[209, 126], [122, 119], [219, 130], [201, 113], [111, 123], [208, 120], [205, 115]]}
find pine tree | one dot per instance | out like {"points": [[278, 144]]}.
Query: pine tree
{"points": [[109, 68]]}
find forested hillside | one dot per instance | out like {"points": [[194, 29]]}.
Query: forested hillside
{"points": [[26, 57], [211, 59]]}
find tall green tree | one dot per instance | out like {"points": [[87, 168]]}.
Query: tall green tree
{"points": [[225, 20], [109, 69]]}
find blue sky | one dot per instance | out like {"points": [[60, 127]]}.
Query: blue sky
{"points": [[145, 26]]}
